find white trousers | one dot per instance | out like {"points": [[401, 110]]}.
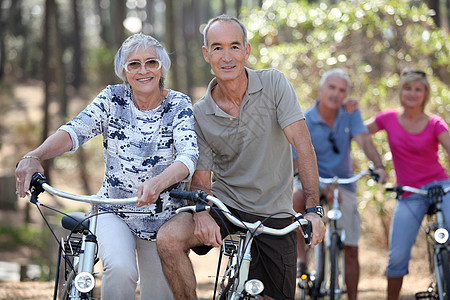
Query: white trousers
{"points": [[117, 250]]}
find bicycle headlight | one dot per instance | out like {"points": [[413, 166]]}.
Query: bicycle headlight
{"points": [[254, 287], [441, 235], [84, 282], [334, 214]]}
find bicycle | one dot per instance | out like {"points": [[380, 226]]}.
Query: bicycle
{"points": [[328, 277], [437, 240], [234, 283], [79, 249]]}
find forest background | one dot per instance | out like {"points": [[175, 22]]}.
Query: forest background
{"points": [[57, 55]]}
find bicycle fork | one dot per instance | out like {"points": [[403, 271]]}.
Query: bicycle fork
{"points": [[84, 281]]}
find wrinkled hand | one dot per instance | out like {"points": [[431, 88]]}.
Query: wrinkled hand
{"points": [[24, 171], [318, 228], [351, 105], [147, 193], [382, 174], [206, 229], [328, 192]]}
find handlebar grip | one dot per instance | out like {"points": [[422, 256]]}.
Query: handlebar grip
{"points": [[37, 180], [390, 189], [181, 195], [194, 196], [307, 232]]}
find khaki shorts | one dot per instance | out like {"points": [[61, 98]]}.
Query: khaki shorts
{"points": [[351, 220]]}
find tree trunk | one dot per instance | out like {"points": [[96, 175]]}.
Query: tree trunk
{"points": [[77, 69], [117, 16], [171, 43], [59, 66], [50, 9], [238, 5], [434, 4], [188, 36]]}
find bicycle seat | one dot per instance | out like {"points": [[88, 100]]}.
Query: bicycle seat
{"points": [[75, 222]]}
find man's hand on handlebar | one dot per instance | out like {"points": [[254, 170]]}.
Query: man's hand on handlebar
{"points": [[318, 228], [206, 229]]}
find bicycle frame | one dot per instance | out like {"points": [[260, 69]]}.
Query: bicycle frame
{"points": [[330, 259], [239, 266], [80, 280]]}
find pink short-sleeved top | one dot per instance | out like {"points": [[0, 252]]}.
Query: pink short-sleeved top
{"points": [[415, 156]]}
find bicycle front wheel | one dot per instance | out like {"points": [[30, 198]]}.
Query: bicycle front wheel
{"points": [[334, 267], [443, 280]]}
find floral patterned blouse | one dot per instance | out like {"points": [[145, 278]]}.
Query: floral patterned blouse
{"points": [[137, 146]]}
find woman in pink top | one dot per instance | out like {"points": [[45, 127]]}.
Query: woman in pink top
{"points": [[414, 137]]}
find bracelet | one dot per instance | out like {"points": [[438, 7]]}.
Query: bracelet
{"points": [[30, 156], [380, 167], [26, 157]]}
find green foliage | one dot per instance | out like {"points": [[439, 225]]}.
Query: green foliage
{"points": [[374, 41], [100, 66], [13, 236]]}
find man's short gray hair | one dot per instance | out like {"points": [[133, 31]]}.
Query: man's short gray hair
{"points": [[224, 18], [134, 42], [338, 72]]}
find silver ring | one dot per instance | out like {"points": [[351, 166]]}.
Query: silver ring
{"points": [[18, 180]]}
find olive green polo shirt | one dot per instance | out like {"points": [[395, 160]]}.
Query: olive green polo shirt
{"points": [[250, 157]]}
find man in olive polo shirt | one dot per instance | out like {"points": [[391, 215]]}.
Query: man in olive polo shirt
{"points": [[245, 124]]}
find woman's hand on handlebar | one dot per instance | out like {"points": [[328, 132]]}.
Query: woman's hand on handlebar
{"points": [[318, 228], [147, 192], [206, 229], [383, 176], [24, 170]]}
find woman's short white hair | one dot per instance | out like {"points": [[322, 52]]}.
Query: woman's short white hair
{"points": [[338, 72], [134, 42]]}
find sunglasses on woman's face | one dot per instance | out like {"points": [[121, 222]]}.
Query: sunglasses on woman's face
{"points": [[421, 73]]}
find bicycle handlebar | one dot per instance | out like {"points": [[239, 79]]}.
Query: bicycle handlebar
{"points": [[201, 199], [39, 185], [352, 179], [431, 192]]}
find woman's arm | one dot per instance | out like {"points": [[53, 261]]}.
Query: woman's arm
{"points": [[148, 192], [56, 144], [444, 139]]}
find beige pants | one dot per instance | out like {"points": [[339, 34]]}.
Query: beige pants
{"points": [[117, 249]]}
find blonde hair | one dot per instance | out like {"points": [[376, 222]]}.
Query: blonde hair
{"points": [[415, 76]]}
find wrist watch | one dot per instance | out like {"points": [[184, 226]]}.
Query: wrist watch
{"points": [[317, 210]]}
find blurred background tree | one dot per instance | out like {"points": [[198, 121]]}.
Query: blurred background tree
{"points": [[66, 49], [56, 55], [373, 41]]}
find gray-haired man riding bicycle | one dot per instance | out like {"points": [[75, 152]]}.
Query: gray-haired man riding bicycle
{"points": [[245, 123]]}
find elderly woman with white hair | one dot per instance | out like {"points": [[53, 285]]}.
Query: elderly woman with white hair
{"points": [[149, 147]]}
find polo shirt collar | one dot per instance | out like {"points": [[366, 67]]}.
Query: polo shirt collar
{"points": [[254, 85], [314, 116]]}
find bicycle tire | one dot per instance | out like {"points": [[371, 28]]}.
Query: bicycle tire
{"points": [[334, 267], [444, 271]]}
